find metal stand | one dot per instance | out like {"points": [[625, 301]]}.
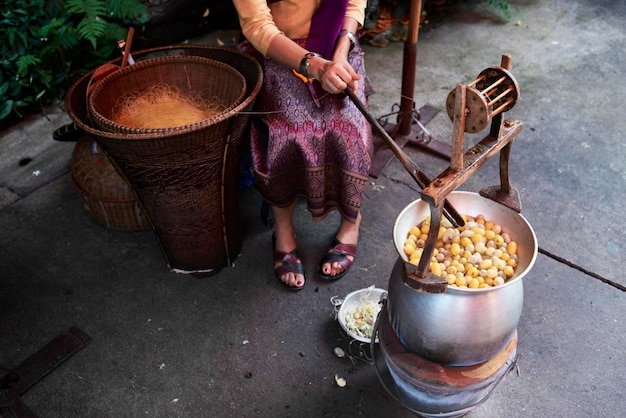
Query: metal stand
{"points": [[410, 126]]}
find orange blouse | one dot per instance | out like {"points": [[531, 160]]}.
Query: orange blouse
{"points": [[261, 22]]}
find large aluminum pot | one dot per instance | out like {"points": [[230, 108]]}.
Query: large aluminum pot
{"points": [[460, 327]]}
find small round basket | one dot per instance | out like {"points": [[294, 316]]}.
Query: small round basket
{"points": [[106, 196], [358, 312], [193, 76]]}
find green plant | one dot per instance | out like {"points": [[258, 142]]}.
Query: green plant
{"points": [[47, 44], [501, 5]]}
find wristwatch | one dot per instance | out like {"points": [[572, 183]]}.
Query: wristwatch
{"points": [[351, 36], [304, 64]]}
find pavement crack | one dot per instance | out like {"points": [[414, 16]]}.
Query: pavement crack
{"points": [[408, 184], [541, 250], [582, 269]]}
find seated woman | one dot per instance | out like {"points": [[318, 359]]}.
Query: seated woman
{"points": [[307, 138]]}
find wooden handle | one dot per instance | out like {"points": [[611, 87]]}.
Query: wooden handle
{"points": [[418, 175]]}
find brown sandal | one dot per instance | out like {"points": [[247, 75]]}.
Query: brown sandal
{"points": [[338, 253], [289, 263]]}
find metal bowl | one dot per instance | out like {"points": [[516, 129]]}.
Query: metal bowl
{"points": [[355, 301], [460, 327]]}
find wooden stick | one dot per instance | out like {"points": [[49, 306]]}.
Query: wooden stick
{"points": [[129, 41], [501, 108], [473, 83], [458, 128], [491, 87], [500, 96]]}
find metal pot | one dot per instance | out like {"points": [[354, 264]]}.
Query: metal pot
{"points": [[460, 327]]}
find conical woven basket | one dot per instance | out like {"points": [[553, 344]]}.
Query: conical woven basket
{"points": [[185, 179]]}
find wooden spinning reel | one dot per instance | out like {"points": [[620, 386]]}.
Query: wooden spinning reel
{"points": [[471, 107], [494, 91]]}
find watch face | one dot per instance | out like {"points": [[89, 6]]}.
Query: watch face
{"points": [[352, 39], [351, 36]]}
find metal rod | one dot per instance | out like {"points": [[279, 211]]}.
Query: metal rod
{"points": [[423, 266], [505, 154], [418, 175], [409, 60]]}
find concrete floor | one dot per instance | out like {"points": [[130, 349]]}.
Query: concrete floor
{"points": [[238, 345]]}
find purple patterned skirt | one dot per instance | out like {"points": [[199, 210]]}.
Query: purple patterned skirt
{"points": [[299, 149]]}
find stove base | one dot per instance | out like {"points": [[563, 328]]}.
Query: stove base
{"points": [[432, 390]]}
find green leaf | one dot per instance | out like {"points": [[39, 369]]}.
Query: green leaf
{"points": [[24, 62], [90, 8], [124, 9], [91, 28], [54, 25], [6, 108], [68, 38], [15, 90], [45, 45], [11, 33]]}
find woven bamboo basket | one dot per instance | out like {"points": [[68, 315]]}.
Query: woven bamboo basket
{"points": [[192, 76], [106, 196], [186, 178]]}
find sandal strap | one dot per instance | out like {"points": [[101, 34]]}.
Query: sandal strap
{"points": [[339, 253], [287, 257], [285, 268], [289, 263], [340, 248], [342, 259]]}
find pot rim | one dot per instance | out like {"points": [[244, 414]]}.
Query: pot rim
{"points": [[518, 274]]}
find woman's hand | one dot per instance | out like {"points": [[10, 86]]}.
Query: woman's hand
{"points": [[334, 76]]}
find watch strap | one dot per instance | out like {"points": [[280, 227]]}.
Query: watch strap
{"points": [[351, 36], [304, 64]]}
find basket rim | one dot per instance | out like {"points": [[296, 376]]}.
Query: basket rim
{"points": [[167, 60], [183, 50], [85, 125]]}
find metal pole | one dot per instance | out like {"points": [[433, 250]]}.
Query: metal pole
{"points": [[409, 63]]}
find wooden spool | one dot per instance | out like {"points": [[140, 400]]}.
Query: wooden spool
{"points": [[493, 92]]}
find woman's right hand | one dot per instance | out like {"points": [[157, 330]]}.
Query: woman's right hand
{"points": [[334, 76]]}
